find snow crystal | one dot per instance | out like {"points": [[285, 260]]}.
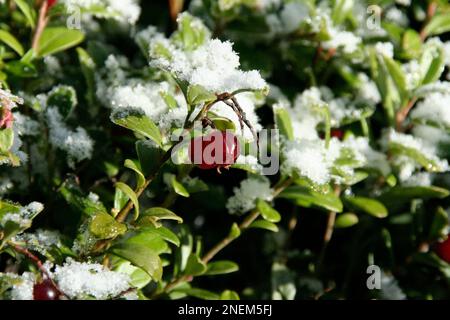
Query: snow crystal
{"points": [[25, 125], [214, 66], [292, 14], [434, 108], [385, 48], [397, 16], [24, 289], [247, 193], [418, 144], [413, 75], [348, 41], [8, 100], [373, 159], [77, 144], [368, 89], [422, 179], [77, 279], [307, 158]]}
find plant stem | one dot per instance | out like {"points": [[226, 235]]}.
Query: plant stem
{"points": [[42, 23], [328, 231], [401, 115]]}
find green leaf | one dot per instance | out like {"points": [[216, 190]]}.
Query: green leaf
{"points": [[149, 156], [221, 267], [104, 226], [411, 44], [148, 238], [229, 295], [341, 10], [399, 195], [283, 122], [64, 98], [367, 205], [137, 121], [194, 266], [397, 75], [132, 195], [429, 164], [200, 293], [432, 63], [11, 42], [440, 23], [267, 212], [130, 164], [305, 197], [88, 69], [153, 215], [27, 11], [196, 95], [346, 220], [21, 69], [177, 186], [164, 233], [235, 231], [139, 278], [6, 139], [56, 39], [223, 124], [140, 256], [439, 225], [264, 224]]}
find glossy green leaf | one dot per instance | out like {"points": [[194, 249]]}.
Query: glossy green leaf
{"points": [[267, 211], [235, 231], [346, 220], [131, 195], [149, 156], [264, 224], [305, 197], [155, 214], [104, 226], [439, 24], [11, 42], [140, 256], [6, 139], [130, 164], [137, 121], [367, 205], [439, 225], [27, 11], [221, 267], [198, 95], [283, 122], [411, 44], [229, 295], [56, 39], [194, 266]]}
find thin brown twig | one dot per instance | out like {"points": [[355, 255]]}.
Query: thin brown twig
{"points": [[37, 262], [42, 23]]}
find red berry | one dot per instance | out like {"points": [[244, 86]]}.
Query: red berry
{"points": [[215, 150], [337, 133], [443, 250], [51, 3], [45, 290], [6, 118]]}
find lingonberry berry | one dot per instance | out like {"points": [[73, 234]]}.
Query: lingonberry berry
{"points": [[45, 290], [51, 3], [219, 149], [443, 250]]}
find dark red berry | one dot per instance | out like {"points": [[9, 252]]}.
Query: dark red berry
{"points": [[443, 250], [337, 133], [45, 290], [51, 3], [219, 149]]}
